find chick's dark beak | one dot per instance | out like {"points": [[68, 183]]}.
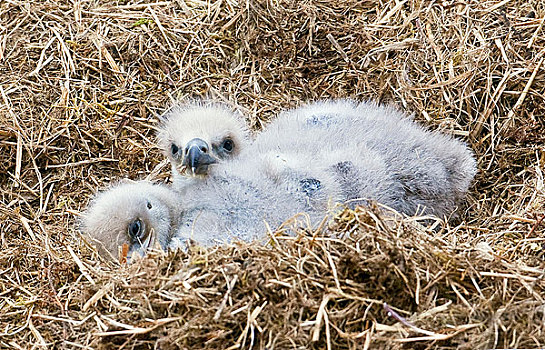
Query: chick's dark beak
{"points": [[197, 157]]}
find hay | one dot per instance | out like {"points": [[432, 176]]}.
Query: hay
{"points": [[81, 83]]}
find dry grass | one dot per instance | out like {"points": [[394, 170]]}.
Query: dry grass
{"points": [[81, 83]]}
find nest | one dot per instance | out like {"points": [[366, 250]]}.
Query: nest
{"points": [[82, 83]]}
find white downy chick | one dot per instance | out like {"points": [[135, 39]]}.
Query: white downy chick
{"points": [[325, 152]]}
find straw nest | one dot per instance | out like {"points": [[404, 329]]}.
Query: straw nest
{"points": [[82, 82]]}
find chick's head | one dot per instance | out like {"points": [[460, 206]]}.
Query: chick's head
{"points": [[130, 218], [198, 135]]}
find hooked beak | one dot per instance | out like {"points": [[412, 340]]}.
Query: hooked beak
{"points": [[197, 157], [145, 245]]}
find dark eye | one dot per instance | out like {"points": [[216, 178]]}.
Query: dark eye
{"points": [[149, 205], [228, 145], [174, 149], [135, 229]]}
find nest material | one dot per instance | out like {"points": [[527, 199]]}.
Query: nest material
{"points": [[81, 83]]}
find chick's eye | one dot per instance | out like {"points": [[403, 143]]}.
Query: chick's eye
{"points": [[135, 229], [149, 205], [174, 149], [228, 145]]}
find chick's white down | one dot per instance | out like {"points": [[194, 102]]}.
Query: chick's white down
{"points": [[303, 162], [321, 153]]}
